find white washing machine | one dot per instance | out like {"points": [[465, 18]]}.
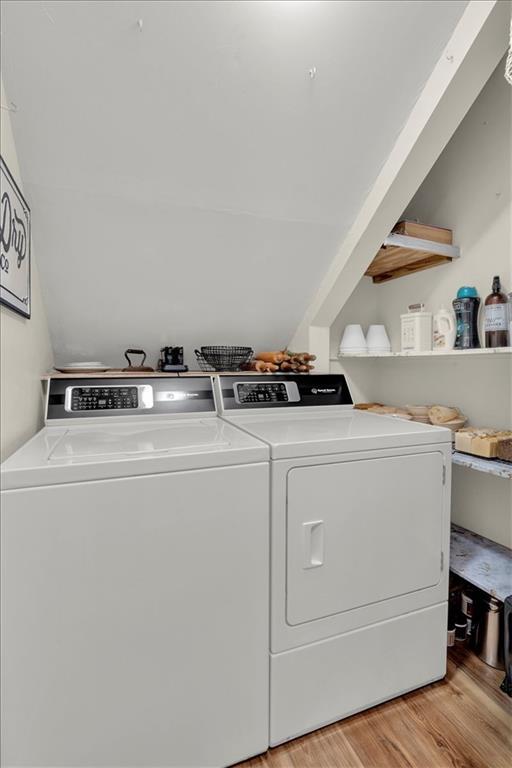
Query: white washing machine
{"points": [[134, 581], [360, 508]]}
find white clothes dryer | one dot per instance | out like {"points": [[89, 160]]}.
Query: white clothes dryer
{"points": [[134, 581], [360, 514]]}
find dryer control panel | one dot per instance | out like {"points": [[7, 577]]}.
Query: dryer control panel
{"points": [[282, 391], [266, 392]]}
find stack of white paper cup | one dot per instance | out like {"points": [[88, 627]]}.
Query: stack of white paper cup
{"points": [[353, 341], [377, 340]]}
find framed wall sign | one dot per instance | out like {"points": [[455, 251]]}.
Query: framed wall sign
{"points": [[14, 244]]}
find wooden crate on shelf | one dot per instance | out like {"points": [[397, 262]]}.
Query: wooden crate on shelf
{"points": [[424, 231]]}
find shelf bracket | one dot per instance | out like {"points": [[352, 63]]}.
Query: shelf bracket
{"points": [[426, 246]]}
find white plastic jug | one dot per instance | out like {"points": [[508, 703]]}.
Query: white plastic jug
{"points": [[444, 330]]}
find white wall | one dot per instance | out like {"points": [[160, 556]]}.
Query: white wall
{"points": [[25, 344], [192, 182], [468, 190], [362, 307]]}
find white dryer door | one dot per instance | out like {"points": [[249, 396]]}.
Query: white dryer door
{"points": [[360, 532]]}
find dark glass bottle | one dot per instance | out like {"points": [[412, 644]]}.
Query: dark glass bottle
{"points": [[496, 334]]}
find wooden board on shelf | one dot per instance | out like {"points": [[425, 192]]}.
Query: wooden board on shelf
{"points": [[392, 262], [118, 373], [402, 255]]}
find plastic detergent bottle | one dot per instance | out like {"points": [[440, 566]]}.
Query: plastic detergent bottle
{"points": [[444, 330], [466, 307]]}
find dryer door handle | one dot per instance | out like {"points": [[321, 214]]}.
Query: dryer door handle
{"points": [[313, 539]]}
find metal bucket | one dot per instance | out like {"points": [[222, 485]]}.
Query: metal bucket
{"points": [[489, 636]]}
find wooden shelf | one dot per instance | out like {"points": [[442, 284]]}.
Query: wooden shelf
{"points": [[479, 464], [402, 255], [453, 353], [483, 563], [116, 373]]}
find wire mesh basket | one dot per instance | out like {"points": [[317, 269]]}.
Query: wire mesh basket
{"points": [[223, 358]]}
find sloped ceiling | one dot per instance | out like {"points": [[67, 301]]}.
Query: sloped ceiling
{"points": [[191, 176]]}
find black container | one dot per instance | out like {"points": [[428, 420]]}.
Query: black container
{"points": [[461, 628], [466, 307], [171, 359], [468, 608], [507, 682]]}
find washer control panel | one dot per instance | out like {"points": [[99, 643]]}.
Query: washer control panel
{"points": [[266, 392], [127, 397], [108, 398]]}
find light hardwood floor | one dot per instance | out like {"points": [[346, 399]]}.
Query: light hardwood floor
{"points": [[463, 721]]}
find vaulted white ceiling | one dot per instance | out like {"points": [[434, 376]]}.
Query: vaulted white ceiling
{"points": [[191, 174]]}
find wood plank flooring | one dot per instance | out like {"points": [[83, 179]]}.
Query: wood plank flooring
{"points": [[463, 721]]}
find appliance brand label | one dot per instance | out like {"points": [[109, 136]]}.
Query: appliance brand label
{"points": [[324, 391], [176, 395], [182, 395]]}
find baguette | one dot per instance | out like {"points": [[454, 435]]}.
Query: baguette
{"points": [[384, 409], [273, 357], [367, 406], [252, 365]]}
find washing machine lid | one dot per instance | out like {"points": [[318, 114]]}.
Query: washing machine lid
{"points": [[138, 440], [94, 451], [334, 430]]}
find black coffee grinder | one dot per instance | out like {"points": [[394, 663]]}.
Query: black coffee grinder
{"points": [[171, 360]]}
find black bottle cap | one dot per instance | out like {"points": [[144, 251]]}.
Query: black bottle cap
{"points": [[496, 285]]}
